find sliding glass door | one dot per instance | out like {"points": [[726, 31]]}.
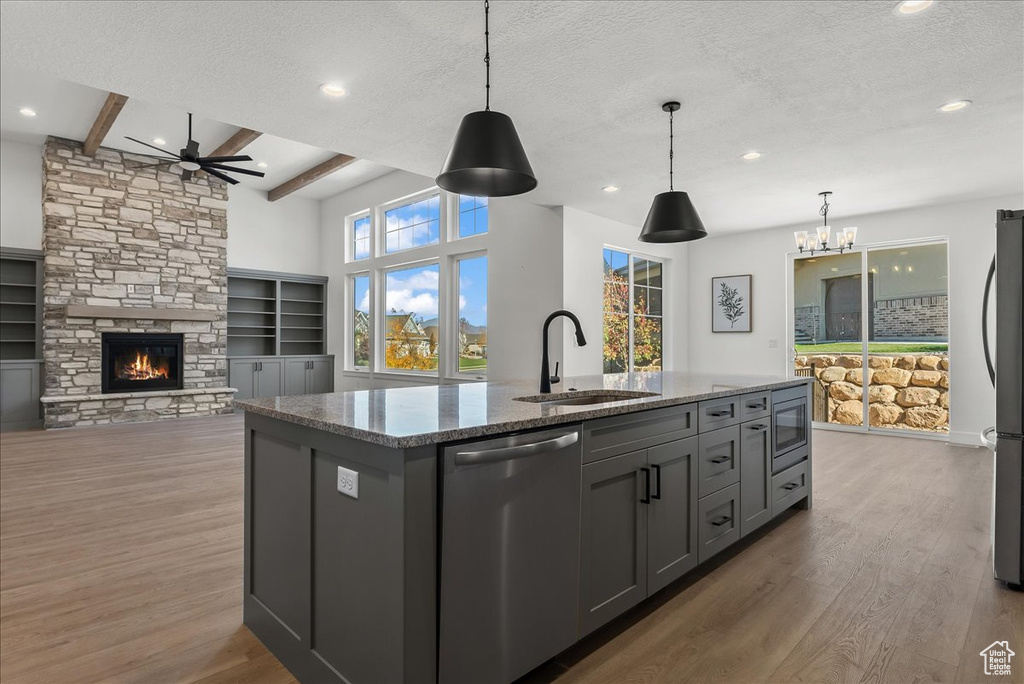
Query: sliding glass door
{"points": [[872, 327]]}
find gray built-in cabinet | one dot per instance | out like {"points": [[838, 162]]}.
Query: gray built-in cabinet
{"points": [[21, 363], [277, 334]]}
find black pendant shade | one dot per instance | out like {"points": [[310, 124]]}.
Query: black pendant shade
{"points": [[487, 159], [672, 218]]}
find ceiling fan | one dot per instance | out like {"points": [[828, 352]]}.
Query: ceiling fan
{"points": [[190, 161]]}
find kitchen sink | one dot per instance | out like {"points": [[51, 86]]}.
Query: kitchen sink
{"points": [[585, 397]]}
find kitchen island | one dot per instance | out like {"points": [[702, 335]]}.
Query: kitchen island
{"points": [[468, 533]]}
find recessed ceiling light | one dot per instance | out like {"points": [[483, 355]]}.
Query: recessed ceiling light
{"points": [[262, 165], [751, 156], [333, 89], [26, 111], [159, 141], [954, 106], [611, 188], [835, 269], [911, 7]]}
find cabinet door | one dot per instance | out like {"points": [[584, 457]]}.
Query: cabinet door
{"points": [[296, 376], [672, 517], [321, 375], [755, 475], [19, 394], [242, 376], [613, 547], [270, 377], [719, 459]]}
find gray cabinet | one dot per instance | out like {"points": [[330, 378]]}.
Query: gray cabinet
{"points": [[276, 314], [789, 486], [718, 413], [755, 474], [20, 390], [308, 375], [671, 516], [718, 521], [719, 459], [613, 547]]}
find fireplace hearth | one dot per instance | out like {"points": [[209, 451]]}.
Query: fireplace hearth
{"points": [[142, 362]]}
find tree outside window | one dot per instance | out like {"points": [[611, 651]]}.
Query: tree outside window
{"points": [[632, 313]]}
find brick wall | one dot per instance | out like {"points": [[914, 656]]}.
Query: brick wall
{"points": [[912, 318]]}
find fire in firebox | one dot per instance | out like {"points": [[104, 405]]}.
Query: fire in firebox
{"points": [[142, 369]]}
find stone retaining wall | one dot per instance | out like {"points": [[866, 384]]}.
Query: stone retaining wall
{"points": [[904, 391]]}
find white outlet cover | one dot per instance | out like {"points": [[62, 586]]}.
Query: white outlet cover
{"points": [[773, 342], [348, 482]]}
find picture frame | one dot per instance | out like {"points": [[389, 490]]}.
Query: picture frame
{"points": [[731, 304]]}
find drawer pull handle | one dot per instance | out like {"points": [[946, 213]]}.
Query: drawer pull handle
{"points": [[720, 414], [721, 459], [718, 522], [761, 427], [790, 486], [762, 405], [647, 485]]}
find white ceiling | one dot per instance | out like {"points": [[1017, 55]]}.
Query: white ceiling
{"points": [[837, 95], [68, 109]]}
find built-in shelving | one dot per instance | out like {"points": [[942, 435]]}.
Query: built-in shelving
{"points": [[276, 314], [20, 306]]}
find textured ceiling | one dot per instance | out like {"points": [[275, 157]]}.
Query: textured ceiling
{"points": [[837, 95]]}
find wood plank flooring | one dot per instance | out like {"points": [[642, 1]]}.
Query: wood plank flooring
{"points": [[121, 561]]}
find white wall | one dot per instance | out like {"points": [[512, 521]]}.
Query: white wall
{"points": [[21, 195], [524, 277], [273, 236], [967, 225], [584, 238]]}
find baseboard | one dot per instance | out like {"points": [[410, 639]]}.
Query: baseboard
{"points": [[970, 439]]}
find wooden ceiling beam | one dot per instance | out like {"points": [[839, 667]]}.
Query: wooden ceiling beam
{"points": [[104, 120], [338, 161], [233, 145]]}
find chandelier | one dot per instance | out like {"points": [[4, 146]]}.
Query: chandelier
{"points": [[817, 240]]}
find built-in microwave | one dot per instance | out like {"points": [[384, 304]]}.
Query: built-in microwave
{"points": [[791, 431]]}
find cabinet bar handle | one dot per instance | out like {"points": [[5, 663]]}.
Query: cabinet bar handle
{"points": [[762, 405], [759, 427], [647, 485], [718, 522], [719, 414], [657, 481], [721, 459]]}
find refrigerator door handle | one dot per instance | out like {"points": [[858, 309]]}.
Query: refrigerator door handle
{"points": [[984, 322]]}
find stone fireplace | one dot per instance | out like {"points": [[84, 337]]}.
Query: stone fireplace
{"points": [[131, 252]]}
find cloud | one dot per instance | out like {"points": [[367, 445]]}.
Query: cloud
{"points": [[462, 302], [422, 304], [426, 279], [364, 303]]}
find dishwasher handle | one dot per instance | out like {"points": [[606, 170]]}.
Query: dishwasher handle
{"points": [[465, 458]]}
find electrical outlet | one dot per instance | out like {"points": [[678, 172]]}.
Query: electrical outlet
{"points": [[348, 482], [773, 343]]}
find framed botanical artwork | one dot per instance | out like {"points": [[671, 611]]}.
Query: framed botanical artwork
{"points": [[730, 303]]}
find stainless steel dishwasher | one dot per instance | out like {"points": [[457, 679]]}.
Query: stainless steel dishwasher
{"points": [[509, 555]]}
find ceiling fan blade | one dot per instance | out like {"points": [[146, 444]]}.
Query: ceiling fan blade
{"points": [[218, 174], [186, 175], [176, 157], [218, 160], [247, 172]]}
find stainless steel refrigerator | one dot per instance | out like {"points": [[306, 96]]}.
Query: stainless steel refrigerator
{"points": [[1007, 436]]}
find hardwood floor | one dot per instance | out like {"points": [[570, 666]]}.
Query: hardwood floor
{"points": [[121, 561]]}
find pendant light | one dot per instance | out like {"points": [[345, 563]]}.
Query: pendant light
{"points": [[487, 159], [672, 217], [817, 239]]}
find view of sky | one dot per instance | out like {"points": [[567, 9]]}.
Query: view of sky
{"points": [[473, 290]]}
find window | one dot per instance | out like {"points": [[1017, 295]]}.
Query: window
{"points": [[633, 316], [472, 274], [472, 215], [360, 321], [361, 238], [415, 224], [411, 338]]}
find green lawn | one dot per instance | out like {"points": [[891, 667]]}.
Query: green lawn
{"points": [[873, 347], [468, 363]]}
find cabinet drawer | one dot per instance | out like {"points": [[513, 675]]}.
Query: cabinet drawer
{"points": [[780, 463], [717, 413], [718, 463], [789, 486], [799, 392], [757, 405], [607, 437], [718, 521]]}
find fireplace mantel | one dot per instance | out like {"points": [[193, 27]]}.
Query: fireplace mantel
{"points": [[144, 313]]}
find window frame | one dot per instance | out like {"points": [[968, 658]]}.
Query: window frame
{"points": [[350, 236], [379, 228], [380, 346], [666, 265], [453, 317], [350, 309], [455, 225]]}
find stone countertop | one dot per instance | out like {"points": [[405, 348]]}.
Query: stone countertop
{"points": [[415, 416]]}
